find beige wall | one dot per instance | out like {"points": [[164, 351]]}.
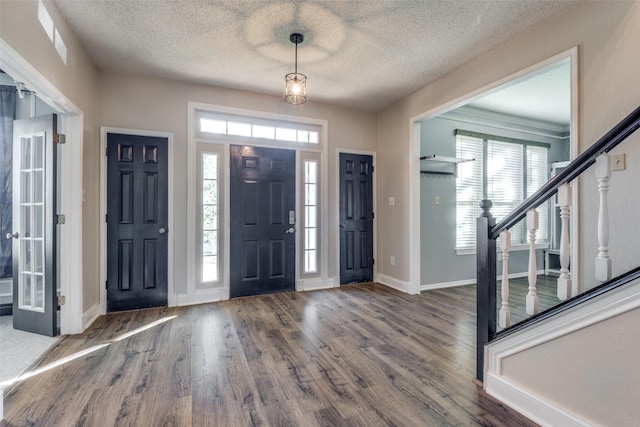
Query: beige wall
{"points": [[592, 373], [21, 30], [606, 34], [161, 105]]}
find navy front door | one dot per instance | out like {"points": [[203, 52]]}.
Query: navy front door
{"points": [[356, 218], [137, 217], [262, 220]]}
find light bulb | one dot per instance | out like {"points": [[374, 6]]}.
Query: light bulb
{"points": [[295, 88]]}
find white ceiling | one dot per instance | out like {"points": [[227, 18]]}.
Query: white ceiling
{"points": [[364, 54]]}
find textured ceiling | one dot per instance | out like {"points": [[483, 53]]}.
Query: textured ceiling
{"points": [[362, 54]]}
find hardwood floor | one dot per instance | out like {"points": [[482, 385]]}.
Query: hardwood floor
{"points": [[360, 355]]}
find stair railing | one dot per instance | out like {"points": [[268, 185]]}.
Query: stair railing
{"points": [[488, 232]]}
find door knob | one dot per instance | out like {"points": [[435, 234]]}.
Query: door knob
{"points": [[13, 236], [290, 230], [162, 230]]}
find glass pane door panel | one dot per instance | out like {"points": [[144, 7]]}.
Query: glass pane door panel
{"points": [[25, 284], [38, 152], [25, 186], [38, 256], [38, 186], [38, 288], [32, 225], [25, 162], [38, 221]]}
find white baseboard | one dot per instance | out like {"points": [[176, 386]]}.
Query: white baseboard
{"points": [[529, 404], [200, 297], [394, 283], [316, 283], [89, 316], [466, 282]]}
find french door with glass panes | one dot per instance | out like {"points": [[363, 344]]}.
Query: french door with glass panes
{"points": [[34, 231]]}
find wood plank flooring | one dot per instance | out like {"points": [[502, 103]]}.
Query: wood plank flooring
{"points": [[360, 355]]}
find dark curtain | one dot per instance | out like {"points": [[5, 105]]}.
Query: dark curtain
{"points": [[7, 115]]}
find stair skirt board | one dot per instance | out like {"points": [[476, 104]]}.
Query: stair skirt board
{"points": [[544, 412]]}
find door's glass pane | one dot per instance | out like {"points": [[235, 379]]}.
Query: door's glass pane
{"points": [[209, 217], [38, 221], [311, 216], [209, 192], [310, 194], [25, 226], [310, 238], [286, 134], [25, 186], [210, 269], [263, 131], [213, 126], [313, 137], [240, 129], [38, 284], [25, 293], [25, 258], [38, 256], [38, 152], [209, 243], [25, 161], [209, 166], [303, 136], [38, 186]]}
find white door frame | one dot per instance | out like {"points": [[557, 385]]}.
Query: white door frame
{"points": [[69, 257], [414, 162], [171, 300]]}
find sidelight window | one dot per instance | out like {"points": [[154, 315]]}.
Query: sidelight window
{"points": [[209, 213], [310, 216]]}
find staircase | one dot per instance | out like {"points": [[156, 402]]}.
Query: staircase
{"points": [[497, 337]]}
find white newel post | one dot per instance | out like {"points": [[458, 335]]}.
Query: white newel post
{"points": [[603, 262], [564, 281], [504, 315], [532, 296]]}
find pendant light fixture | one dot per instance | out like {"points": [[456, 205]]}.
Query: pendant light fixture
{"points": [[295, 89]]}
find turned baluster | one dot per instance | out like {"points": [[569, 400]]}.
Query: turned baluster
{"points": [[603, 262], [504, 316], [564, 281], [532, 296]]}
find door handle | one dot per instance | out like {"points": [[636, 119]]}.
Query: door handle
{"points": [[13, 236], [162, 230], [290, 230]]}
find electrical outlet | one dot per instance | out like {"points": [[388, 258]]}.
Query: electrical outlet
{"points": [[392, 260], [437, 200], [618, 162], [392, 201]]}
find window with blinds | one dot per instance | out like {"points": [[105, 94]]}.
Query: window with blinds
{"points": [[505, 171]]}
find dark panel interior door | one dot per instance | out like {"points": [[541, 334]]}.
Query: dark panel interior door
{"points": [[356, 218], [35, 300], [137, 216], [262, 220]]}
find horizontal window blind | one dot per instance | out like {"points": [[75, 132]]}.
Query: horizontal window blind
{"points": [[505, 171]]}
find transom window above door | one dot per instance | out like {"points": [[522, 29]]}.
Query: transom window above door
{"points": [[250, 127]]}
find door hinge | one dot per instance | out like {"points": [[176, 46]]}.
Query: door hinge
{"points": [[373, 261], [106, 218], [60, 219], [60, 138], [373, 168], [106, 284], [62, 300], [373, 215], [106, 151]]}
